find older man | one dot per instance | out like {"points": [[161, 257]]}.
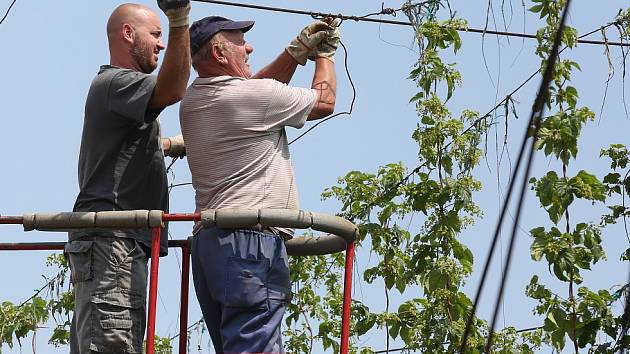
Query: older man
{"points": [[121, 167], [234, 127]]}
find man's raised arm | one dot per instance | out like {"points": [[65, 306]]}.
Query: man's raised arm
{"points": [[173, 76], [300, 49], [325, 79]]}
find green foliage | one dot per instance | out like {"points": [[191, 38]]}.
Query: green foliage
{"points": [[582, 316], [310, 316], [567, 253], [430, 70], [560, 132], [162, 345], [617, 186], [430, 261], [18, 321], [557, 193], [618, 154], [579, 318], [425, 260]]}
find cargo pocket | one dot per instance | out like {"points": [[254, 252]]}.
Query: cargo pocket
{"points": [[246, 282], [79, 254], [117, 322]]}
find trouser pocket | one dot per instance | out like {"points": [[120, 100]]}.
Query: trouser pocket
{"points": [[117, 322], [79, 255], [246, 280]]}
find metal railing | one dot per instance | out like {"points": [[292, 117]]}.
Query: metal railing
{"points": [[341, 236]]}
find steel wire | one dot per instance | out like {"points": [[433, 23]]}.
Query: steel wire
{"points": [[391, 22], [7, 12], [534, 124]]}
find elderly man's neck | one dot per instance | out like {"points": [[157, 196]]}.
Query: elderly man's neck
{"points": [[209, 70]]}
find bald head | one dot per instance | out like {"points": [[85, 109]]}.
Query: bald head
{"points": [[132, 14], [134, 34]]}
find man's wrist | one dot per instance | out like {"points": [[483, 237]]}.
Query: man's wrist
{"points": [[330, 58], [178, 17], [166, 144], [298, 51]]}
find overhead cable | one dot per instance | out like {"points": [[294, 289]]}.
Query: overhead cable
{"points": [[527, 146], [522, 84], [474, 124], [354, 97], [366, 18], [7, 12]]}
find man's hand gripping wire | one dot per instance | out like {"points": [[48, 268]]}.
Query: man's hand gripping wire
{"points": [[327, 49]]}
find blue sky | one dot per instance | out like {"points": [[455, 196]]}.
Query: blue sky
{"points": [[50, 53]]}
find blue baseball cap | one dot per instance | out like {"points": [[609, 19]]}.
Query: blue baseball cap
{"points": [[203, 30]]}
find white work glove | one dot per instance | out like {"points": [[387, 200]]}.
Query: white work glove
{"points": [[310, 37], [176, 10], [328, 46], [175, 147]]}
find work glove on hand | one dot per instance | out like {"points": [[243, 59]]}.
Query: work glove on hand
{"points": [[310, 37], [176, 10], [328, 46], [177, 148]]}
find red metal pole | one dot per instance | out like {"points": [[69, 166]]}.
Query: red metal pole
{"points": [[347, 299], [183, 311], [18, 220], [41, 246], [52, 246], [182, 217], [155, 261]]}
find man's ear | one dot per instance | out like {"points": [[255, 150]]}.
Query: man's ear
{"points": [[128, 33], [218, 53]]}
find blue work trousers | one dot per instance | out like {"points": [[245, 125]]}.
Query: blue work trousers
{"points": [[242, 283]]}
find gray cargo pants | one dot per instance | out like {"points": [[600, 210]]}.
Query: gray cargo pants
{"points": [[109, 275]]}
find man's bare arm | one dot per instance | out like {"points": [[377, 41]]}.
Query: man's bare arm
{"points": [[281, 69], [173, 76], [174, 146], [325, 82]]}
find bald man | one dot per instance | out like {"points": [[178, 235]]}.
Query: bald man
{"points": [[121, 167]]}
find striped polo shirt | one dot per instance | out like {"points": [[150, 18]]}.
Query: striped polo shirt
{"points": [[236, 144]]}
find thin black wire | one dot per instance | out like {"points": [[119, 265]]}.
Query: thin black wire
{"points": [[391, 22], [471, 126], [188, 328], [534, 122], [349, 112], [530, 157], [519, 87], [170, 165], [405, 179], [354, 97], [478, 120], [7, 12], [179, 185], [493, 244]]}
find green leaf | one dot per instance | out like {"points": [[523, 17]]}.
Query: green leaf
{"points": [[427, 120], [417, 97]]}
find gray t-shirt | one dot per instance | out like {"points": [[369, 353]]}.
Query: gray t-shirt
{"points": [[121, 164], [236, 144]]}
